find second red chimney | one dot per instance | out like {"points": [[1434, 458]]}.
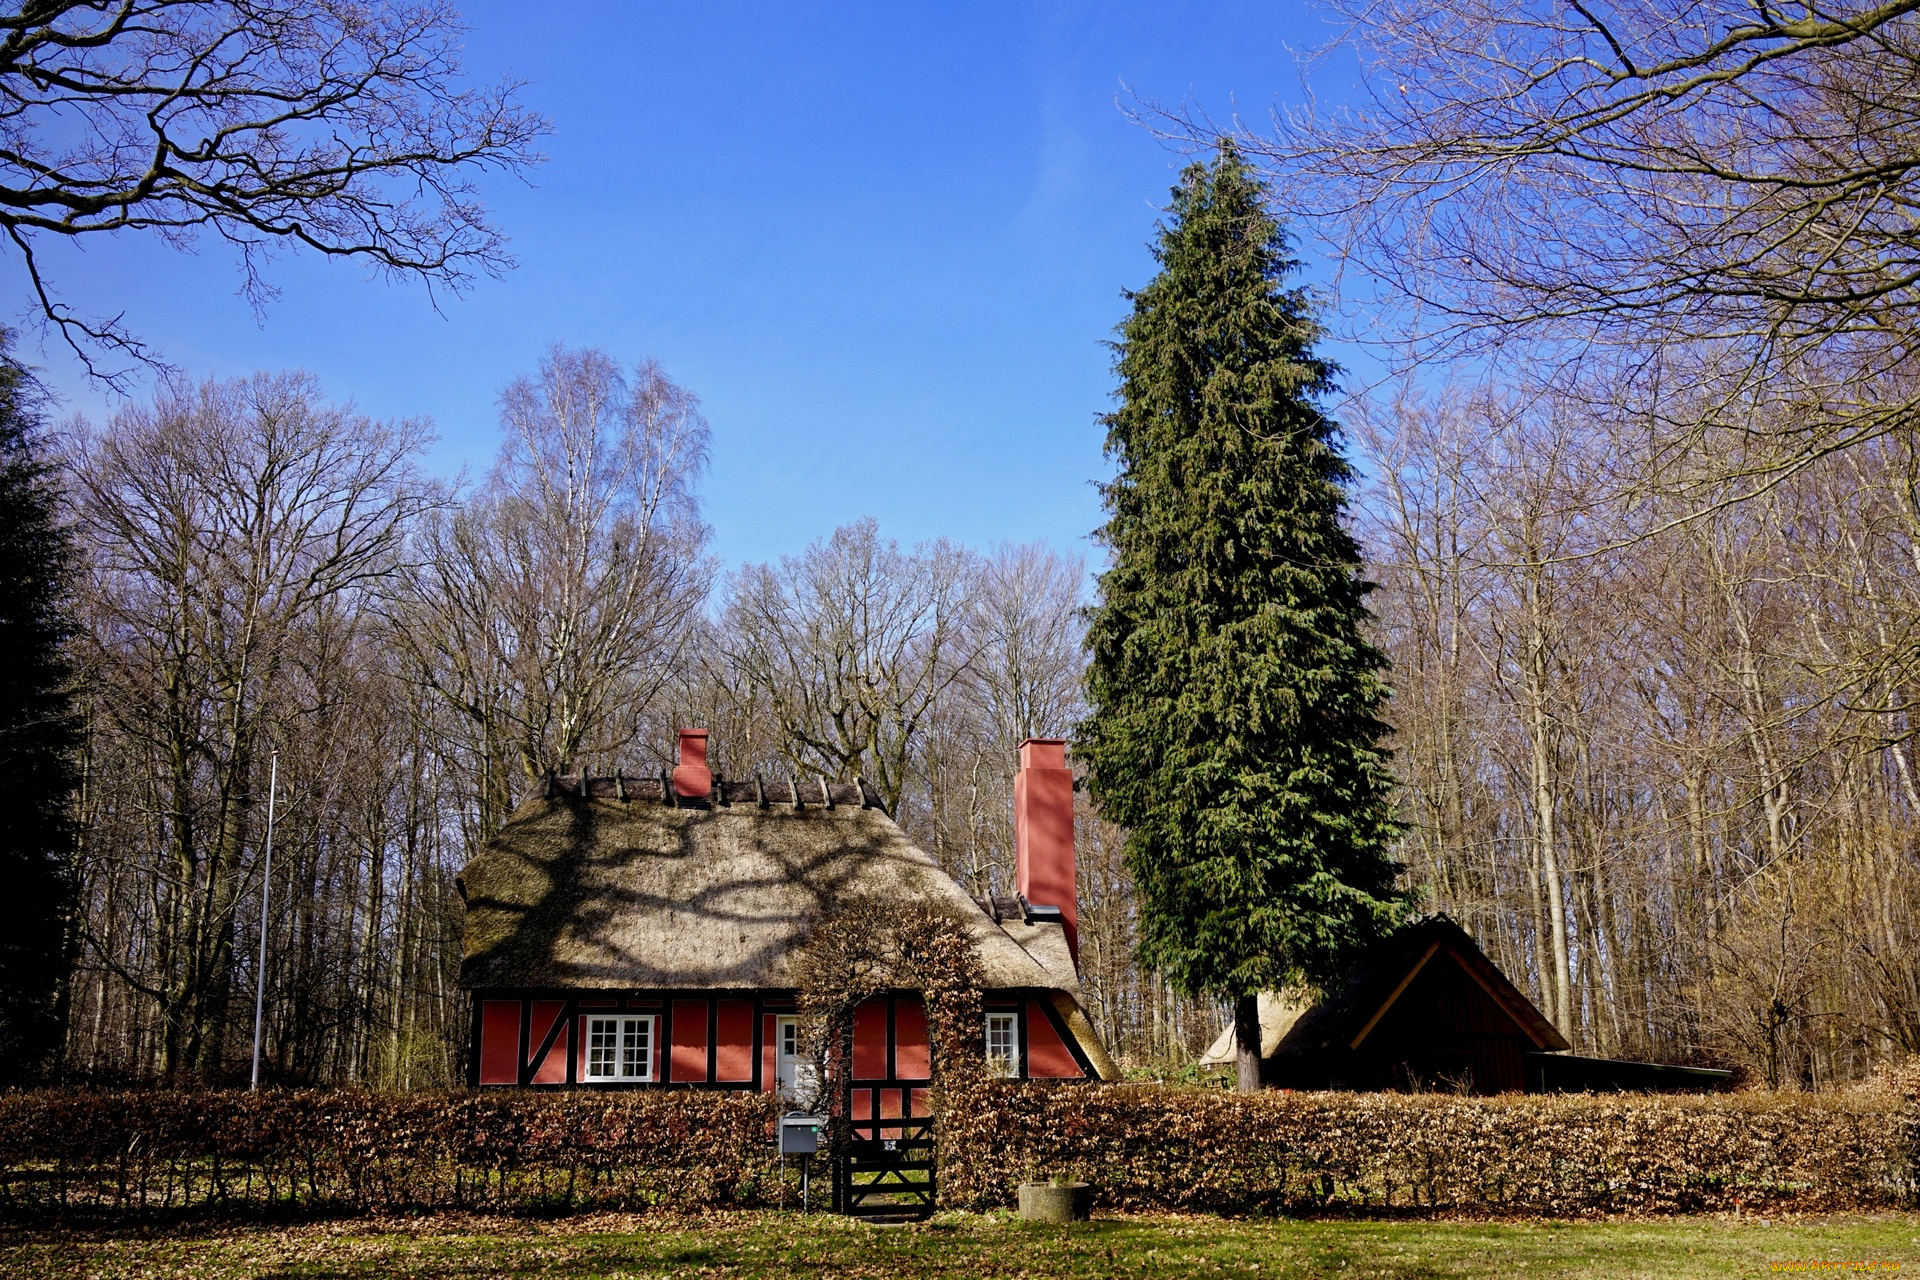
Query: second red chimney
{"points": [[1043, 832], [692, 778]]}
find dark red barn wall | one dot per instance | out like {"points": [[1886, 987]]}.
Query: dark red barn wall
{"points": [[912, 1053], [1444, 1032], [499, 1055], [688, 1061]]}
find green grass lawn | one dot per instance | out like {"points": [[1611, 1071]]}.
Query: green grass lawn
{"points": [[970, 1247]]}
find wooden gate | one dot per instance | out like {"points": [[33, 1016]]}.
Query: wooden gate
{"points": [[887, 1172]]}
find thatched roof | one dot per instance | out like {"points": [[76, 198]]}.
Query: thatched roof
{"points": [[1279, 1010], [599, 891]]}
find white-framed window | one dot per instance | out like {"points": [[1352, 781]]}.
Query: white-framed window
{"points": [[619, 1048], [1003, 1043]]}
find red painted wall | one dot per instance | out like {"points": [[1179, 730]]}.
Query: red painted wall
{"points": [[733, 1043], [912, 1057], [1047, 1054], [870, 1041], [552, 1069], [873, 1107], [689, 1061], [499, 1042]]}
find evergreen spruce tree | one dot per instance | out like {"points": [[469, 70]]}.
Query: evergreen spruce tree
{"points": [[1235, 702], [38, 741]]}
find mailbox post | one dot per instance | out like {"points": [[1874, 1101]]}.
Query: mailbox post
{"points": [[800, 1136]]}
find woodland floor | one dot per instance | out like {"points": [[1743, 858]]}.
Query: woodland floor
{"points": [[971, 1247]]}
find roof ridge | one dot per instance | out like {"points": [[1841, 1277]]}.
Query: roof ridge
{"points": [[791, 794]]}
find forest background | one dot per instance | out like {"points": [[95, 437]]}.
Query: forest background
{"points": [[1664, 781], [1641, 503]]}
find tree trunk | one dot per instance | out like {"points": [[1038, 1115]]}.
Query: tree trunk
{"points": [[1545, 778], [1246, 1036]]}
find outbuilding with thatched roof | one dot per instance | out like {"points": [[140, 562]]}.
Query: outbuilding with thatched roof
{"points": [[1427, 1009]]}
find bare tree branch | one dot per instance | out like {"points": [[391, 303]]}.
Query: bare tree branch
{"points": [[1700, 218], [339, 127]]}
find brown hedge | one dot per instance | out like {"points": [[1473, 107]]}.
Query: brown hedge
{"points": [[1146, 1148], [352, 1151], [1143, 1148]]}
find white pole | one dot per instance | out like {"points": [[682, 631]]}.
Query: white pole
{"points": [[266, 879]]}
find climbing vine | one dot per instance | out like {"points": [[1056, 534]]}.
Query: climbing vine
{"points": [[864, 947]]}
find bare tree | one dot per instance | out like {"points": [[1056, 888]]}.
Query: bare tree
{"points": [[1026, 623], [223, 524], [1700, 733], [551, 609], [1701, 213], [330, 125], [852, 643], [1022, 680]]}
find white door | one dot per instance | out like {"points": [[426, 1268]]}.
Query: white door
{"points": [[793, 1071]]}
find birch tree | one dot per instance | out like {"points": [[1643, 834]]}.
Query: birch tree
{"points": [[552, 608]]}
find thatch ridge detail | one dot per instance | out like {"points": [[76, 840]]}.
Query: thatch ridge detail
{"points": [[727, 792]]}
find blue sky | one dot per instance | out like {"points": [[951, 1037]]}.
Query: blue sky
{"points": [[883, 243]]}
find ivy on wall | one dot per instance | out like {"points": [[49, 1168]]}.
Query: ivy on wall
{"points": [[864, 947]]}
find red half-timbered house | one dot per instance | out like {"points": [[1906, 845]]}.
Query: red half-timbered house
{"points": [[639, 933]]}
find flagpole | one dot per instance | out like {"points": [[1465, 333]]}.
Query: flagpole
{"points": [[266, 880]]}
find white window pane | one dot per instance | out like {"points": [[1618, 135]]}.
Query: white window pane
{"points": [[602, 1041], [636, 1048], [1003, 1043]]}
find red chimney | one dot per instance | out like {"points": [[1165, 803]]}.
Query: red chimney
{"points": [[1043, 831], [693, 779]]}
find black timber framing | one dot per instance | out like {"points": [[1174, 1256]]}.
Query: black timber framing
{"points": [[1019, 1002], [660, 1004], [623, 1000]]}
